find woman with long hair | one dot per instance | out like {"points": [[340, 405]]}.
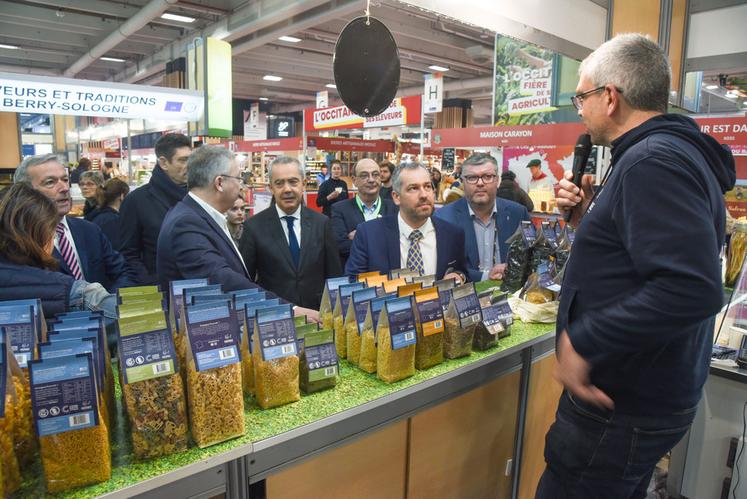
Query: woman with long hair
{"points": [[109, 198], [27, 269]]}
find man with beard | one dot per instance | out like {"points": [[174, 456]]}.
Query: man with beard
{"points": [[487, 220], [366, 205], [412, 239], [144, 209], [643, 282], [288, 248], [80, 247], [386, 168]]}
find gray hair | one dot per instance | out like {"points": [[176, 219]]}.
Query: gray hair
{"points": [[636, 65], [479, 159], [286, 160], [397, 182], [22, 175], [93, 176], [206, 163]]}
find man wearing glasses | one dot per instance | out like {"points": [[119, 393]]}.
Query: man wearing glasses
{"points": [[486, 219], [364, 206], [643, 283], [288, 248]]}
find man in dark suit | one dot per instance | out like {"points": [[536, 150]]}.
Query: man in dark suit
{"points": [[144, 209], [195, 241], [486, 219], [412, 239], [364, 206], [288, 247], [80, 247]]}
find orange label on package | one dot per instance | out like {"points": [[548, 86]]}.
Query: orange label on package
{"points": [[376, 281], [408, 289], [429, 312], [391, 286], [366, 275]]}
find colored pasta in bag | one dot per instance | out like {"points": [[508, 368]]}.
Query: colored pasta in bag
{"points": [[429, 349], [461, 319], [396, 341], [318, 361], [276, 366]]}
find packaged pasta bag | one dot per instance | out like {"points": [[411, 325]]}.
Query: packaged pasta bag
{"points": [[539, 288], [329, 300], [275, 357], [409, 275], [19, 323], [73, 438], [408, 289], [356, 316], [394, 274], [497, 318], [427, 281], [367, 359], [301, 332], [563, 251], [152, 387], [550, 235], [486, 332], [366, 275], [461, 319], [376, 281], [247, 327], [392, 285], [541, 250], [396, 337], [444, 287], [429, 321], [176, 304], [215, 399], [517, 257], [319, 364], [341, 311], [10, 474]]}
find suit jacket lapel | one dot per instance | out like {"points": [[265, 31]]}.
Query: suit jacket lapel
{"points": [[392, 242], [80, 248], [502, 226], [278, 235], [213, 225], [441, 254], [469, 233]]}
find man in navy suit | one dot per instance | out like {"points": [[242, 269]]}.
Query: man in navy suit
{"points": [[486, 219], [195, 241], [366, 205], [411, 239], [80, 247]]}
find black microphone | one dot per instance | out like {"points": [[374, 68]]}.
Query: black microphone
{"points": [[580, 157]]}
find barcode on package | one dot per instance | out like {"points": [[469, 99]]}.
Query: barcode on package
{"points": [[161, 367], [226, 353], [80, 420], [287, 349], [330, 371], [438, 324], [409, 336]]}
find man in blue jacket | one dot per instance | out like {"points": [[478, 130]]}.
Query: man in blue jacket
{"points": [[412, 239], [80, 247], [195, 242], [486, 219], [643, 283]]}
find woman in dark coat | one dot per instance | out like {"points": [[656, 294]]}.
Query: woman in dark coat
{"points": [[510, 190], [109, 198]]}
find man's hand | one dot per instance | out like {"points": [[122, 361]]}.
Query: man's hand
{"points": [[573, 372], [570, 197], [351, 235], [457, 277], [333, 195], [496, 273], [311, 315]]}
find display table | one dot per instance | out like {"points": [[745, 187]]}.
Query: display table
{"points": [[360, 406]]}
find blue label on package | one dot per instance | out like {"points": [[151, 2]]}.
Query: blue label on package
{"points": [[498, 313], [321, 357], [377, 304], [401, 322], [360, 305], [59, 347], [333, 285], [35, 303], [445, 297], [19, 324], [250, 312], [213, 336], [151, 349], [346, 294], [63, 394], [467, 308], [550, 235], [100, 343], [277, 332], [430, 310]]}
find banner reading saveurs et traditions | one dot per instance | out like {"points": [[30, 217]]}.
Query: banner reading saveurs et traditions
{"points": [[402, 111]]}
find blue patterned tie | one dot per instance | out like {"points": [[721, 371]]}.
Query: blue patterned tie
{"points": [[414, 257], [295, 249]]}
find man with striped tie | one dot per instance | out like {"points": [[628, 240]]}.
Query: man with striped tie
{"points": [[413, 239], [82, 250]]}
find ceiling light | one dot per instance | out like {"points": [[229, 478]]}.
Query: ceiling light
{"points": [[263, 98], [291, 39], [440, 69], [712, 87], [176, 17], [6, 46], [112, 59], [330, 85], [272, 78]]}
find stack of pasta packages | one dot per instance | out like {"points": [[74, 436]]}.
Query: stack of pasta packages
{"points": [[58, 390], [395, 324]]}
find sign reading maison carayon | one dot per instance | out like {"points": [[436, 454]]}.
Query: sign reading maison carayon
{"points": [[51, 95]]}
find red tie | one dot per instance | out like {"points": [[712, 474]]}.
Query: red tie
{"points": [[66, 250]]}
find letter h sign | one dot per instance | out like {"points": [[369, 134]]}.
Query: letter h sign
{"points": [[433, 93]]}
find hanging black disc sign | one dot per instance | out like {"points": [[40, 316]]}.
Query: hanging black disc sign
{"points": [[366, 66]]}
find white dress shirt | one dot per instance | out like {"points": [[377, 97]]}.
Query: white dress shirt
{"points": [[70, 238], [427, 244], [485, 237], [220, 219], [296, 223]]}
